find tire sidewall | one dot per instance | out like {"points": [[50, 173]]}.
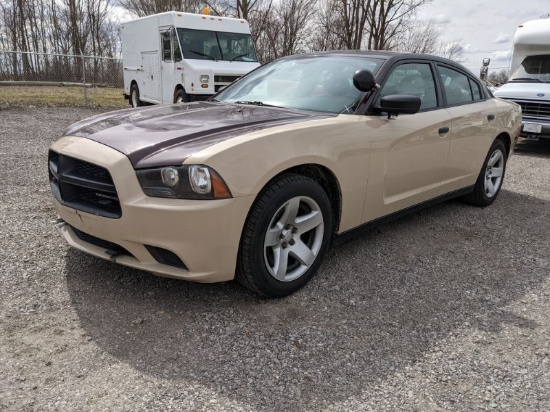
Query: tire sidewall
{"points": [[264, 280], [497, 145], [134, 96], [181, 93]]}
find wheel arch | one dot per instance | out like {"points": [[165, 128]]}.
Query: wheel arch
{"points": [[178, 87], [325, 178], [507, 140]]}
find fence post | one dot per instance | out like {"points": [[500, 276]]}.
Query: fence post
{"points": [[84, 79]]}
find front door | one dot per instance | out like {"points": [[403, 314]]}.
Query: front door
{"points": [[409, 152]]}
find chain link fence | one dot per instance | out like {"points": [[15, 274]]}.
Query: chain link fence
{"points": [[86, 74]]}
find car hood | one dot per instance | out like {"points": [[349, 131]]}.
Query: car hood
{"points": [[167, 135], [529, 91]]}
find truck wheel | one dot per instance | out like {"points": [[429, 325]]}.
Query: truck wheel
{"points": [[181, 97], [134, 96], [286, 234]]}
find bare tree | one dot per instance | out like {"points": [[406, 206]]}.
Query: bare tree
{"points": [[371, 24], [417, 37], [453, 50], [326, 33], [143, 8], [286, 30], [386, 20], [500, 77]]}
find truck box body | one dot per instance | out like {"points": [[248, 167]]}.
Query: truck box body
{"points": [[529, 83], [190, 56]]}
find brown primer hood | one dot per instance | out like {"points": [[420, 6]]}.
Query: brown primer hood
{"points": [[167, 135]]}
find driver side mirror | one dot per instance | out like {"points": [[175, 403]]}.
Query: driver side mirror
{"points": [[395, 104], [364, 80]]}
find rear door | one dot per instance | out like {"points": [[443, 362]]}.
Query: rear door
{"points": [[473, 127], [151, 76]]}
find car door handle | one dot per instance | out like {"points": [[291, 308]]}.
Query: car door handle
{"points": [[491, 117], [443, 131]]}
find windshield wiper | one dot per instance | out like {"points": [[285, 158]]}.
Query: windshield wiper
{"points": [[255, 103], [529, 79], [203, 54], [240, 55]]}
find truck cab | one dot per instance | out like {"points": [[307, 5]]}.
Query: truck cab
{"points": [[180, 57]]}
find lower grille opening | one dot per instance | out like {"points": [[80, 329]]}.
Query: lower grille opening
{"points": [[165, 257], [104, 244]]}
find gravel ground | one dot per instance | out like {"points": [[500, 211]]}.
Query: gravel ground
{"points": [[446, 309]]}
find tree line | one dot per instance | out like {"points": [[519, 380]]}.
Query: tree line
{"points": [[279, 27]]}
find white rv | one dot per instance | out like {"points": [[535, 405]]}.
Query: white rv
{"points": [[529, 82], [178, 57]]}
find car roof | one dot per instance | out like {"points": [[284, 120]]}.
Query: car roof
{"points": [[382, 54]]}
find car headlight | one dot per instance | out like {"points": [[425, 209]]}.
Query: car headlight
{"points": [[205, 78], [183, 182]]}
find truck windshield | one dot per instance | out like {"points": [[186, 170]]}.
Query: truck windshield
{"points": [[533, 69], [216, 45]]}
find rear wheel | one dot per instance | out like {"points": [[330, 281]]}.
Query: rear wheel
{"points": [[490, 178], [134, 96], [285, 236]]}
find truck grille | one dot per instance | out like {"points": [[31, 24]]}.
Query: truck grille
{"points": [[534, 109], [83, 186], [225, 79]]}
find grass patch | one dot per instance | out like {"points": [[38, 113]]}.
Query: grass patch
{"points": [[61, 96]]}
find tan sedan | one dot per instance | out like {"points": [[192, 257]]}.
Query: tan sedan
{"points": [[256, 183]]}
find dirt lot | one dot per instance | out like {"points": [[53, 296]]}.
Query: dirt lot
{"points": [[447, 309]]}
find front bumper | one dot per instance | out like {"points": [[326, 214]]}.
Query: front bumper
{"points": [[205, 235]]}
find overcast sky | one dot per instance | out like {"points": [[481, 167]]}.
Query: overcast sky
{"points": [[485, 27]]}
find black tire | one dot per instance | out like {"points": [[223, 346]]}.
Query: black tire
{"points": [[294, 243], [488, 185], [181, 96], [134, 96]]}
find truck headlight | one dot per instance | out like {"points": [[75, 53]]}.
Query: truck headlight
{"points": [[204, 78], [183, 182]]}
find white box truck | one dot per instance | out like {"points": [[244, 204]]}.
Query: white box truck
{"points": [[529, 82], [179, 57]]}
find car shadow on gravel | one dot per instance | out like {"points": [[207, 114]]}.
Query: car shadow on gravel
{"points": [[539, 148], [380, 302]]}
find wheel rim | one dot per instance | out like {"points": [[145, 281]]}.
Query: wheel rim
{"points": [[294, 238], [494, 173], [179, 98]]}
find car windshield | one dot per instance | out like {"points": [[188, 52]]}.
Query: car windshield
{"points": [[216, 45], [318, 83], [534, 69]]}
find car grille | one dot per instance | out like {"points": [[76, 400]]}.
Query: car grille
{"points": [[534, 109], [83, 186], [104, 244]]}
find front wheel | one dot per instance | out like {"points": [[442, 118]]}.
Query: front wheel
{"points": [[490, 178], [181, 96], [285, 236]]}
